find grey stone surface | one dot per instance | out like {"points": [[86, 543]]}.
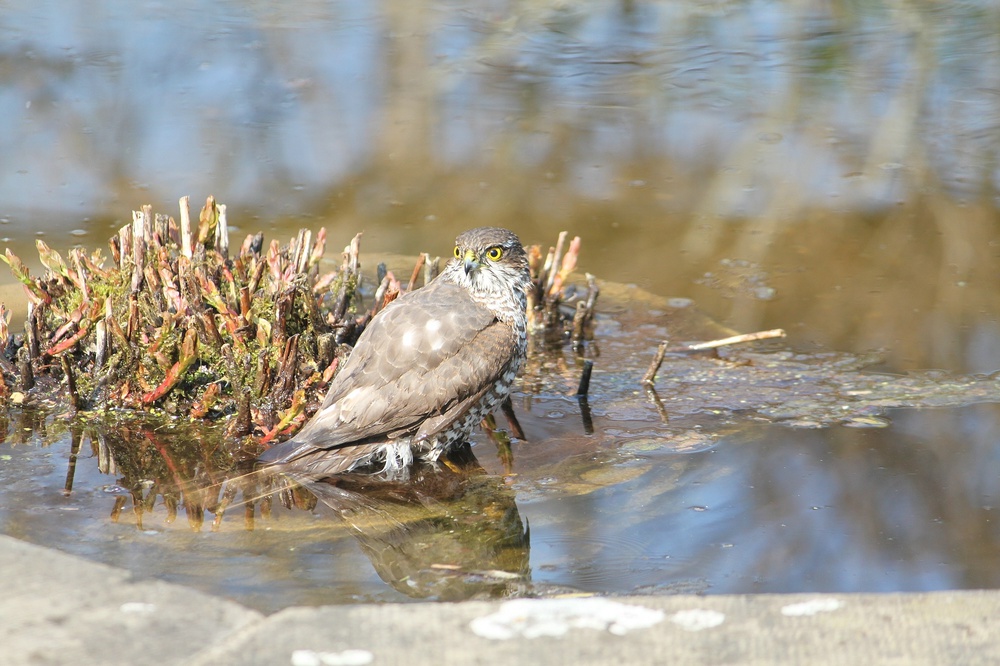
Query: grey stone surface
{"points": [[60, 609], [945, 628]]}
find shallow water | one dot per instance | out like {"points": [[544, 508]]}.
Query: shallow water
{"points": [[840, 510], [827, 170], [606, 496]]}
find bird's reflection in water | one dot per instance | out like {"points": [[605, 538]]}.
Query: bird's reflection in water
{"points": [[447, 533]]}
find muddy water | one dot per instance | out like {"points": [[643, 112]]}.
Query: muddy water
{"points": [[826, 170]]}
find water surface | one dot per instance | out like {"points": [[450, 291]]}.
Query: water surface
{"points": [[830, 170]]}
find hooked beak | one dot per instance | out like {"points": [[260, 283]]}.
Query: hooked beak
{"points": [[471, 262]]}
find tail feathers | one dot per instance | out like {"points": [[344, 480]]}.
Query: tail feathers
{"points": [[283, 453], [303, 457]]}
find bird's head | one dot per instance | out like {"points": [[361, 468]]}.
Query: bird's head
{"points": [[489, 260]]}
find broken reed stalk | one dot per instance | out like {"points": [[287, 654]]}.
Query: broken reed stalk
{"points": [[664, 348], [554, 261], [584, 314], [138, 247], [416, 272], [31, 332], [431, 268], [74, 397], [222, 233], [186, 242], [649, 378], [579, 317]]}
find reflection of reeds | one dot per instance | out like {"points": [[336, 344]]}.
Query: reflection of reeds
{"points": [[188, 467]]}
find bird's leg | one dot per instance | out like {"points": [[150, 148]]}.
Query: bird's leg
{"points": [[515, 427]]}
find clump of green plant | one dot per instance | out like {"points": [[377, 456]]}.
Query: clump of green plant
{"points": [[171, 321]]}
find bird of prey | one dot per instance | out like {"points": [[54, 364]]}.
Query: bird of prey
{"points": [[426, 370]]}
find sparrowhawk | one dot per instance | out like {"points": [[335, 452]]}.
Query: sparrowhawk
{"points": [[427, 369]]}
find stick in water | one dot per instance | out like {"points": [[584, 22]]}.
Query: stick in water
{"points": [[663, 349]]}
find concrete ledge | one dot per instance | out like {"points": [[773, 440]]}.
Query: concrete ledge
{"points": [[952, 628], [59, 609]]}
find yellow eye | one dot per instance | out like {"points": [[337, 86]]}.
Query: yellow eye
{"points": [[494, 253], [458, 253]]}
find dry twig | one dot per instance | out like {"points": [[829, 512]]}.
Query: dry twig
{"points": [[663, 349]]}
